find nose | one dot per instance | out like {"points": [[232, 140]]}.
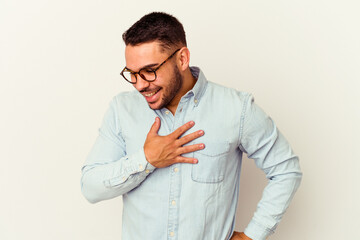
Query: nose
{"points": [[141, 84]]}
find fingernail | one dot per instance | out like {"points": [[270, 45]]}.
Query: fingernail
{"points": [[201, 132], [202, 146], [192, 123], [195, 161]]}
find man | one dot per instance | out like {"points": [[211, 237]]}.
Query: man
{"points": [[173, 148]]}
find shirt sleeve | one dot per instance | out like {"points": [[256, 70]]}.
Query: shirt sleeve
{"points": [[263, 143], [108, 171]]}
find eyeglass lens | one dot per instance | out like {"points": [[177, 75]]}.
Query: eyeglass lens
{"points": [[146, 74]]}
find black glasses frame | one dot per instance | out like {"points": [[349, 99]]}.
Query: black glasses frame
{"points": [[147, 69]]}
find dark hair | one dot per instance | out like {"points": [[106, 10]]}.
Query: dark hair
{"points": [[156, 26]]}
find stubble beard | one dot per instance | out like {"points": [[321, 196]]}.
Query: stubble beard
{"points": [[175, 85]]}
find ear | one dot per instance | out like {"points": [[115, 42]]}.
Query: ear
{"points": [[184, 59]]}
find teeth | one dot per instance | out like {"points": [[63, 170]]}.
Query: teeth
{"points": [[150, 94]]}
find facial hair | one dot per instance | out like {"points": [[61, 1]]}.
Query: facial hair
{"points": [[174, 87]]}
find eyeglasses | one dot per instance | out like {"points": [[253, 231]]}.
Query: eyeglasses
{"points": [[148, 74]]}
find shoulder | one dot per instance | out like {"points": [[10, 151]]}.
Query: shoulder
{"points": [[227, 93], [124, 97], [127, 99]]}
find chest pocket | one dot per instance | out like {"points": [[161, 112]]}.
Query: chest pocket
{"points": [[211, 162]]}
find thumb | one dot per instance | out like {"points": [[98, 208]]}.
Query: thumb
{"points": [[155, 127]]}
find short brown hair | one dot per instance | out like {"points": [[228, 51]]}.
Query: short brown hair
{"points": [[156, 26]]}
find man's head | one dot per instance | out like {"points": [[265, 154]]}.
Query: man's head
{"points": [[157, 37], [156, 26]]}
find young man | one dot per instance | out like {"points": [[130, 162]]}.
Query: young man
{"points": [[173, 148]]}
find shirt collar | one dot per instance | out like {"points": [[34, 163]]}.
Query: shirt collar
{"points": [[200, 86]]}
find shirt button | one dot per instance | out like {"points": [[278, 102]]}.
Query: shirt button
{"points": [[141, 167], [172, 234], [167, 112], [195, 100], [173, 202], [180, 109], [124, 178], [147, 170], [176, 169]]}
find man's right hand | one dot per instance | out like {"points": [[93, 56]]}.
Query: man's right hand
{"points": [[163, 151]]}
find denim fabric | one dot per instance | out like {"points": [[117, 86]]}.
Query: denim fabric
{"points": [[186, 201]]}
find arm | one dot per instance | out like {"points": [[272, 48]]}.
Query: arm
{"points": [[109, 172], [263, 142]]}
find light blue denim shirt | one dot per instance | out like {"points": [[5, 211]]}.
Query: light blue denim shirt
{"points": [[185, 201]]}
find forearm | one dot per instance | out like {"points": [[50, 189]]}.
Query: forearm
{"points": [[284, 180], [106, 180], [272, 153]]}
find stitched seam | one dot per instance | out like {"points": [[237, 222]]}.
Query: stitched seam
{"points": [[117, 122], [242, 119]]}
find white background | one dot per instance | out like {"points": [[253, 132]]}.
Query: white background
{"points": [[60, 64]]}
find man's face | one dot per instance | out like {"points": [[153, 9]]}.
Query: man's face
{"points": [[164, 90]]}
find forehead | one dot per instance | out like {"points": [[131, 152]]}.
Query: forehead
{"points": [[139, 56]]}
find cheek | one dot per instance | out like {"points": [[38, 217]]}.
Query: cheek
{"points": [[160, 82]]}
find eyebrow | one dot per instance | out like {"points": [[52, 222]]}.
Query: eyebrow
{"points": [[146, 66]]}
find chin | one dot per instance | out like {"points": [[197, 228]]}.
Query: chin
{"points": [[155, 106]]}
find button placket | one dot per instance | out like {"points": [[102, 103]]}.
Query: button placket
{"points": [[177, 120], [175, 186]]}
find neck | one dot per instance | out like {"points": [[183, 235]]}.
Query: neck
{"points": [[188, 83]]}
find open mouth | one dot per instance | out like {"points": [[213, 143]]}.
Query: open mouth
{"points": [[151, 96], [151, 93]]}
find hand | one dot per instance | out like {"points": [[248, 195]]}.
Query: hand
{"points": [[239, 236], [163, 151]]}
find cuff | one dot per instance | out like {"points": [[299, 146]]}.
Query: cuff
{"points": [[257, 232], [134, 164], [141, 164]]}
